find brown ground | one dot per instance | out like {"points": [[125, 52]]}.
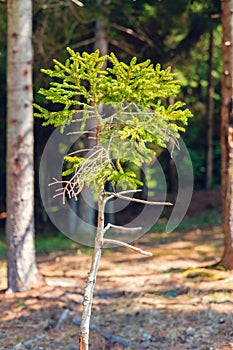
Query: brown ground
{"points": [[170, 301]]}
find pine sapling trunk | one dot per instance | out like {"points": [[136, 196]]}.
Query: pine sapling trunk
{"points": [[90, 285]]}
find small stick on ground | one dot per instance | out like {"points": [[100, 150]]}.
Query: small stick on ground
{"points": [[29, 341], [109, 336], [63, 317]]}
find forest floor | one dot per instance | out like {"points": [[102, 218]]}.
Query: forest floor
{"points": [[175, 300]]}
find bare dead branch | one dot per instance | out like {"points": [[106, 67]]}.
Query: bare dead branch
{"points": [[126, 245], [117, 195], [96, 160], [84, 43], [77, 2], [80, 132], [131, 32], [123, 46], [122, 192], [77, 17], [70, 188], [121, 229], [140, 31], [78, 151]]}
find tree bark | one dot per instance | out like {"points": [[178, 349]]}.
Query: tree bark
{"points": [[101, 38], [22, 269], [91, 280], [210, 121], [227, 133]]}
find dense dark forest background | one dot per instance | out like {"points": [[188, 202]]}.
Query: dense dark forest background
{"points": [[184, 34]]}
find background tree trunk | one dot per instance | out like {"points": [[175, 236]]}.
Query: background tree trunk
{"points": [[210, 116], [86, 210], [22, 270], [101, 38], [227, 133], [102, 44]]}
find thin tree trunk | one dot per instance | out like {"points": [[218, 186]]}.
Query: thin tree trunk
{"points": [[101, 44], [227, 133], [90, 285], [22, 269], [210, 128]]}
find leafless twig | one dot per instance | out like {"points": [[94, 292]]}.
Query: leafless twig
{"points": [[78, 151], [122, 45], [97, 160], [126, 245], [122, 192], [139, 35], [125, 198], [121, 228], [80, 132], [83, 43], [77, 2]]}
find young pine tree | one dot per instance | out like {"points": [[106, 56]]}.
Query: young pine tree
{"points": [[134, 93]]}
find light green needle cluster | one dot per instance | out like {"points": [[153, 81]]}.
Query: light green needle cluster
{"points": [[137, 93]]}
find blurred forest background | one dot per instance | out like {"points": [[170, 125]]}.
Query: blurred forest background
{"points": [[182, 297], [183, 34]]}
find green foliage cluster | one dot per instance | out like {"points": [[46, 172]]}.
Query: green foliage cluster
{"points": [[135, 93]]}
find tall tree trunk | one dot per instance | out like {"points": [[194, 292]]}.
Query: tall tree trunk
{"points": [[210, 121], [22, 269], [227, 133]]}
